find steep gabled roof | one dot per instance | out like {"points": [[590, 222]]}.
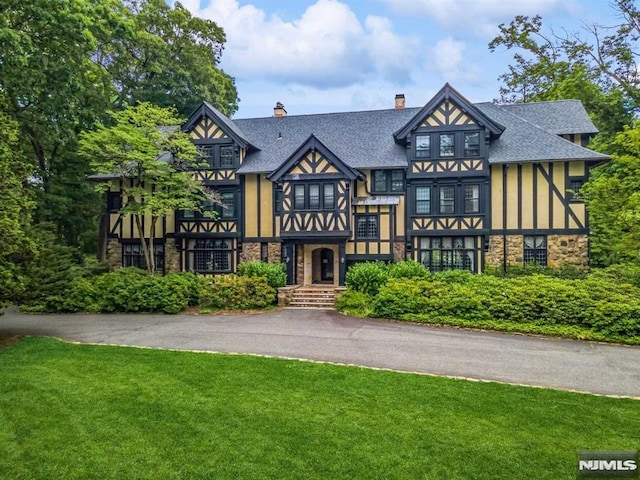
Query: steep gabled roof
{"points": [[448, 93], [230, 128], [523, 141], [312, 143]]}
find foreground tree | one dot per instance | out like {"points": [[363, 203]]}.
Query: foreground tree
{"points": [[145, 152]]}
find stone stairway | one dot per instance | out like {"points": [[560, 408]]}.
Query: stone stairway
{"points": [[316, 296]]}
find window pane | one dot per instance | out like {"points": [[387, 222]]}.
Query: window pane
{"points": [[226, 156], [397, 181], [535, 249], [379, 181], [228, 210], [298, 202], [443, 253], [329, 196], [447, 199], [447, 146], [423, 200], [314, 196], [423, 146], [471, 198], [367, 226], [472, 144], [206, 154]]}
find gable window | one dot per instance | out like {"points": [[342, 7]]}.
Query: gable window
{"points": [[315, 196], [472, 144], [447, 145], [471, 198], [423, 200], [367, 227], [298, 197], [114, 202], [535, 249], [385, 181], [133, 256], [447, 199], [423, 146], [329, 196], [216, 156]]}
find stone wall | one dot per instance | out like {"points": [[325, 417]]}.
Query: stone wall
{"points": [[299, 264], [568, 250], [114, 254], [250, 251], [171, 256], [274, 252], [399, 251], [561, 250]]}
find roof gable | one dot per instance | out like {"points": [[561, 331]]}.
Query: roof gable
{"points": [[313, 158], [208, 123], [448, 108]]}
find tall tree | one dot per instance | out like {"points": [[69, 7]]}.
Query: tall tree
{"points": [[152, 162], [171, 58]]}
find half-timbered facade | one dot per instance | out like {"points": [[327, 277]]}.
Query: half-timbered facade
{"points": [[452, 184]]}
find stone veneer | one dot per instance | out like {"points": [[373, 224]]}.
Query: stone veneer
{"points": [[561, 250], [171, 256], [274, 252], [299, 264], [114, 254], [399, 251], [250, 251]]}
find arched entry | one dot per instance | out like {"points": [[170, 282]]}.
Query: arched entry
{"points": [[322, 265]]}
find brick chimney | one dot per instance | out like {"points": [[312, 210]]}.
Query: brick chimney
{"points": [[400, 101], [279, 111]]}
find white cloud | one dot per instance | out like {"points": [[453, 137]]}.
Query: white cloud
{"points": [[480, 16], [448, 57], [327, 46]]}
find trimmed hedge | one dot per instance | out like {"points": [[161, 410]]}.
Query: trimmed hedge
{"points": [[368, 277], [233, 292], [274, 273]]}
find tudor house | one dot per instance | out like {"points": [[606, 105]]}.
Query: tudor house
{"points": [[452, 184]]}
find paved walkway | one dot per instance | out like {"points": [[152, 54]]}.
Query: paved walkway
{"points": [[329, 336]]}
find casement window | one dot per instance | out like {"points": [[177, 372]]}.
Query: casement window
{"points": [[472, 198], [472, 144], [227, 210], [574, 186], [315, 196], [114, 202], [423, 200], [216, 156], [388, 181], [209, 255], [447, 199], [367, 227], [535, 249], [423, 146], [133, 256], [447, 145], [448, 253]]}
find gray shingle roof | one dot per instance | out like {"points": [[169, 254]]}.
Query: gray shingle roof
{"points": [[359, 139], [365, 139], [522, 141], [559, 117]]}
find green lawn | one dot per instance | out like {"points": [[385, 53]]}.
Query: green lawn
{"points": [[80, 411]]}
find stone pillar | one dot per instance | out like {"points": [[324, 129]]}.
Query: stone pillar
{"points": [[299, 264], [274, 252], [399, 251], [494, 257], [171, 255], [114, 254], [250, 251]]}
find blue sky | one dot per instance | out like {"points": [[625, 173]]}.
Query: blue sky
{"points": [[320, 56]]}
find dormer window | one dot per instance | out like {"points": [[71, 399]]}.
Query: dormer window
{"points": [[447, 145], [423, 146], [216, 156], [472, 144]]}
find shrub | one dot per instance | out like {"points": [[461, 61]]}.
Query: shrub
{"points": [[232, 292], [367, 277], [569, 272], [275, 273], [352, 302], [621, 273], [407, 269]]}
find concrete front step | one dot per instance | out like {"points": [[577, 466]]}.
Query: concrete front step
{"points": [[313, 297]]}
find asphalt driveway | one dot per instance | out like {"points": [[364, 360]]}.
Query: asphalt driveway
{"points": [[328, 336]]}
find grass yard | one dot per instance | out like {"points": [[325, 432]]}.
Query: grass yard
{"points": [[80, 411]]}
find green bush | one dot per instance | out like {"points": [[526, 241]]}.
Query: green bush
{"points": [[352, 302], [232, 292], [275, 273], [569, 272], [407, 269], [367, 277], [621, 273]]}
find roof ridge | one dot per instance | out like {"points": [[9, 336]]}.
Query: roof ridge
{"points": [[329, 113]]}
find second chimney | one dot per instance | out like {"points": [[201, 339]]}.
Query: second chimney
{"points": [[400, 101], [279, 111]]}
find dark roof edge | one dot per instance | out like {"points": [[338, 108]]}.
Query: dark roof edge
{"points": [[206, 109]]}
